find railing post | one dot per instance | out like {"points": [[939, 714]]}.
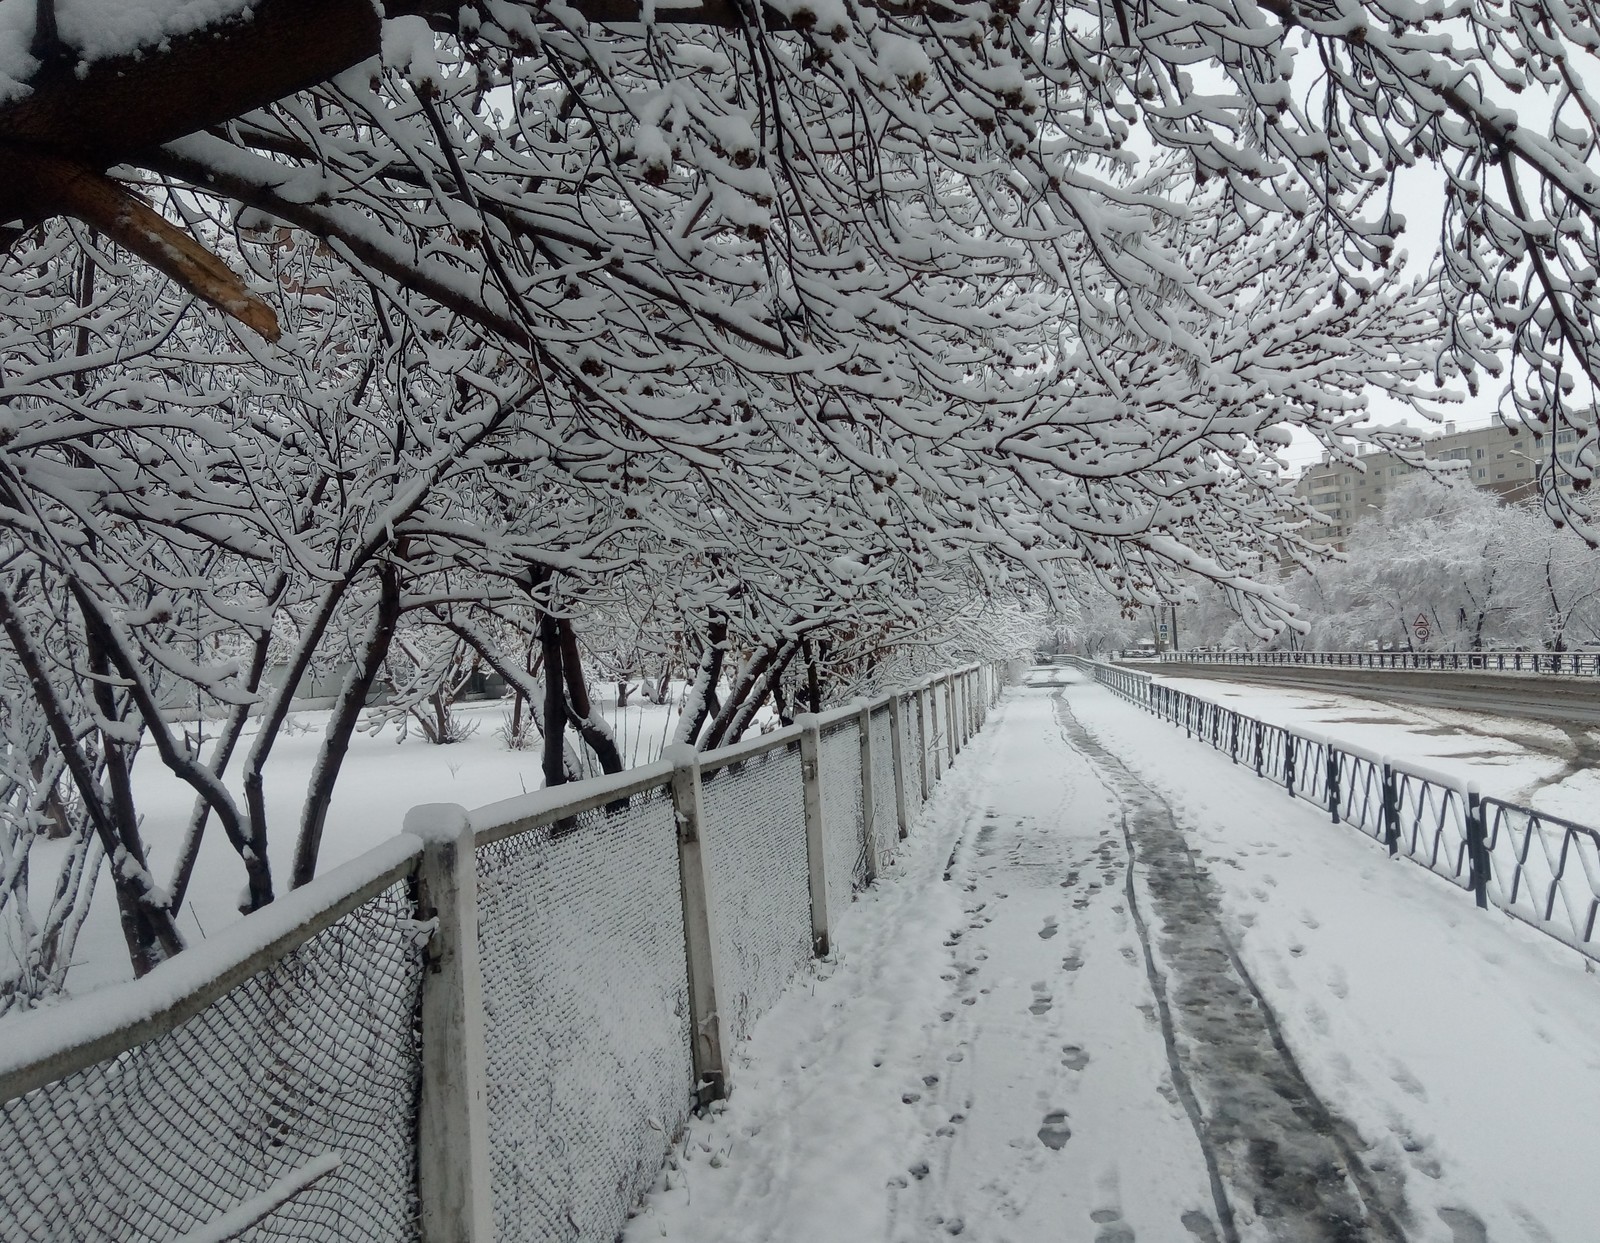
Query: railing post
{"points": [[1478, 848], [811, 776], [897, 748], [869, 801], [453, 1108], [700, 942], [1333, 782], [1288, 761], [1260, 756], [1234, 751], [1391, 810]]}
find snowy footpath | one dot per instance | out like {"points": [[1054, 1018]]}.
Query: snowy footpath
{"points": [[1117, 989]]}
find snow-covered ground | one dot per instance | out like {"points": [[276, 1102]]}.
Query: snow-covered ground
{"points": [[381, 780], [1552, 768], [1117, 989]]}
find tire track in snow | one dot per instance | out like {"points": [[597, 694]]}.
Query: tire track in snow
{"points": [[1267, 1138]]}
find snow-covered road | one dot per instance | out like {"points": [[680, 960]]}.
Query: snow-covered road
{"points": [[1263, 1029]]}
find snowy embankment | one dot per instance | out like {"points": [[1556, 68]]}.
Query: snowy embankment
{"points": [[1553, 769], [1017, 1041], [382, 779]]}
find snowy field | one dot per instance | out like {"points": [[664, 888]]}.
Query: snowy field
{"points": [[382, 778], [1117, 989], [1552, 768]]}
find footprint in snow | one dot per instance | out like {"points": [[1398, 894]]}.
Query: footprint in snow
{"points": [[1112, 1228], [1406, 1081], [1074, 1057], [1049, 930], [1199, 1225], [1042, 1000], [1071, 962], [1055, 1132], [1465, 1225]]}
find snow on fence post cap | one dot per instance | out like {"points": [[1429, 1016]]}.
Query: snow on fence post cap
{"points": [[679, 754], [807, 720], [437, 822]]}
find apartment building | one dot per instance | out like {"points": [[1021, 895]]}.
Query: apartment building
{"points": [[1495, 459]]}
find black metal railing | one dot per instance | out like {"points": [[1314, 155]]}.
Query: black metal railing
{"points": [[1546, 664], [1539, 868]]}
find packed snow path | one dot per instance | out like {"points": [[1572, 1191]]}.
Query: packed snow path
{"points": [[1118, 989]]}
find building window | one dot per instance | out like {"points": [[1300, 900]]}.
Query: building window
{"points": [[1481, 472], [1480, 452]]}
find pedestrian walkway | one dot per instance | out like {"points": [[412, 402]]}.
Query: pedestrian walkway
{"points": [[1117, 989]]}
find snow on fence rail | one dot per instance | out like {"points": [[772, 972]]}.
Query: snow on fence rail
{"points": [[1540, 868], [491, 1027], [1546, 664]]}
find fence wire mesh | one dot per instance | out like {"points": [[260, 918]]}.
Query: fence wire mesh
{"points": [[911, 754], [885, 830], [755, 838], [291, 1098], [586, 1015], [845, 847]]}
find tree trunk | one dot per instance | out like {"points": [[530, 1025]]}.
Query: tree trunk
{"points": [[347, 713], [145, 926], [702, 690], [555, 704], [593, 732], [769, 686], [738, 709]]}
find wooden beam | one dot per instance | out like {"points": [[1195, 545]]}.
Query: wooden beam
{"points": [[60, 186]]}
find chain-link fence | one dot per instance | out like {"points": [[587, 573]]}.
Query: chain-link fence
{"points": [[884, 830], [586, 1016], [756, 838], [285, 1109], [846, 844], [621, 936]]}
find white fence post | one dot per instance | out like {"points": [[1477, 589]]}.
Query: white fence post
{"points": [[810, 774], [699, 937], [453, 1114], [897, 747], [869, 802]]}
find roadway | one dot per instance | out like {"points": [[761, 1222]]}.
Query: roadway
{"points": [[1559, 700]]}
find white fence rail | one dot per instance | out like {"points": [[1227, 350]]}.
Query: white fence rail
{"points": [[492, 1027]]}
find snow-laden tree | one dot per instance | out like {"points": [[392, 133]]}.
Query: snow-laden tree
{"points": [[1482, 573], [322, 334]]}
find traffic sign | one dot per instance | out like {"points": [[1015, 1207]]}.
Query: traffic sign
{"points": [[1421, 629]]}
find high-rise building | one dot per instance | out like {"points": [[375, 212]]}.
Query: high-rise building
{"points": [[1496, 460]]}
